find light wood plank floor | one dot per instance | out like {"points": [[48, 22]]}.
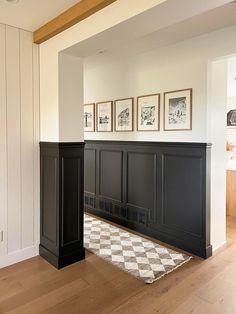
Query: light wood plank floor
{"points": [[94, 286]]}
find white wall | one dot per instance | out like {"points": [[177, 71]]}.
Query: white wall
{"points": [[70, 99], [171, 68], [217, 104], [231, 103], [231, 78], [19, 145], [183, 65]]}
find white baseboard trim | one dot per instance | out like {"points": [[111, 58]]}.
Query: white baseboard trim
{"points": [[18, 256], [215, 249]]}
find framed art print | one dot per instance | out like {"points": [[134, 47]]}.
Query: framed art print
{"points": [[104, 116], [89, 118], [178, 110], [231, 118], [124, 114], [148, 113]]}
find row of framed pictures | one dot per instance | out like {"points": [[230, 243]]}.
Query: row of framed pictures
{"points": [[177, 113]]}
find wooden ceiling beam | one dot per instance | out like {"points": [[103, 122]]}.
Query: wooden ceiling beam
{"points": [[73, 15]]}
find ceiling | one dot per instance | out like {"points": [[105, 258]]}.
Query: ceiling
{"points": [[168, 23], [32, 14]]}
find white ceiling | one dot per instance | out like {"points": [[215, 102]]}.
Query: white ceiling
{"points": [[31, 14], [168, 23]]}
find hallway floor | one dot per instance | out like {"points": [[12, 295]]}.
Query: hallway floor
{"points": [[95, 286]]}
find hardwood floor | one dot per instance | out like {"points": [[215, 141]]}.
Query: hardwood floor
{"points": [[95, 286]]}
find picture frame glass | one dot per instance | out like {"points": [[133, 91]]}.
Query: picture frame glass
{"points": [[124, 114], [104, 116], [148, 113], [178, 110], [89, 125]]}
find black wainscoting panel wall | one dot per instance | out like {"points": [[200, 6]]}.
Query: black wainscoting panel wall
{"points": [[157, 188], [179, 195], [62, 194], [110, 175], [141, 182]]}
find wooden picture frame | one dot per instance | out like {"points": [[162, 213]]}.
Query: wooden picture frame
{"points": [[178, 110], [124, 115], [104, 116], [148, 112], [89, 117]]}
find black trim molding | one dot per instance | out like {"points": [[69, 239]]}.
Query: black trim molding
{"points": [[157, 188], [61, 202]]}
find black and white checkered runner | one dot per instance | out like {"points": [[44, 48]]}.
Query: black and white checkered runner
{"points": [[139, 257]]}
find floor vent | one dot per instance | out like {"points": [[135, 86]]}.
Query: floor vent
{"points": [[137, 215]]}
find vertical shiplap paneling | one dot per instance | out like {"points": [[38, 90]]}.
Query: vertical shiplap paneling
{"points": [[27, 139], [36, 142], [3, 142], [13, 138], [19, 145]]}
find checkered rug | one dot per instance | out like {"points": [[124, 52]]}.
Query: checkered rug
{"points": [[139, 257]]}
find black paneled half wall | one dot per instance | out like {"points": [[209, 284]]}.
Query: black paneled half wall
{"points": [[61, 208], [157, 188]]}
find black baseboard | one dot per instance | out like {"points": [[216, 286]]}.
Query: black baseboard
{"points": [[61, 261], [208, 252]]}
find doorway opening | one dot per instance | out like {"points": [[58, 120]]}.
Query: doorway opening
{"points": [[222, 134]]}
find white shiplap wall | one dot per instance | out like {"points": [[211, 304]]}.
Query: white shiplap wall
{"points": [[19, 145]]}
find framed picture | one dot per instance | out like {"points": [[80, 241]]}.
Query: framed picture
{"points": [[178, 110], [104, 118], [124, 114], [148, 113], [89, 118], [231, 118]]}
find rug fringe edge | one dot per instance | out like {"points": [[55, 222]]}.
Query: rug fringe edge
{"points": [[169, 271]]}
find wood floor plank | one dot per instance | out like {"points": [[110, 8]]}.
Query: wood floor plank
{"points": [[9, 289], [35, 263], [102, 298], [95, 286], [194, 305], [28, 295], [45, 302]]}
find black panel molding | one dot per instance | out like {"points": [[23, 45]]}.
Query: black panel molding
{"points": [[161, 189], [61, 209], [111, 174]]}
